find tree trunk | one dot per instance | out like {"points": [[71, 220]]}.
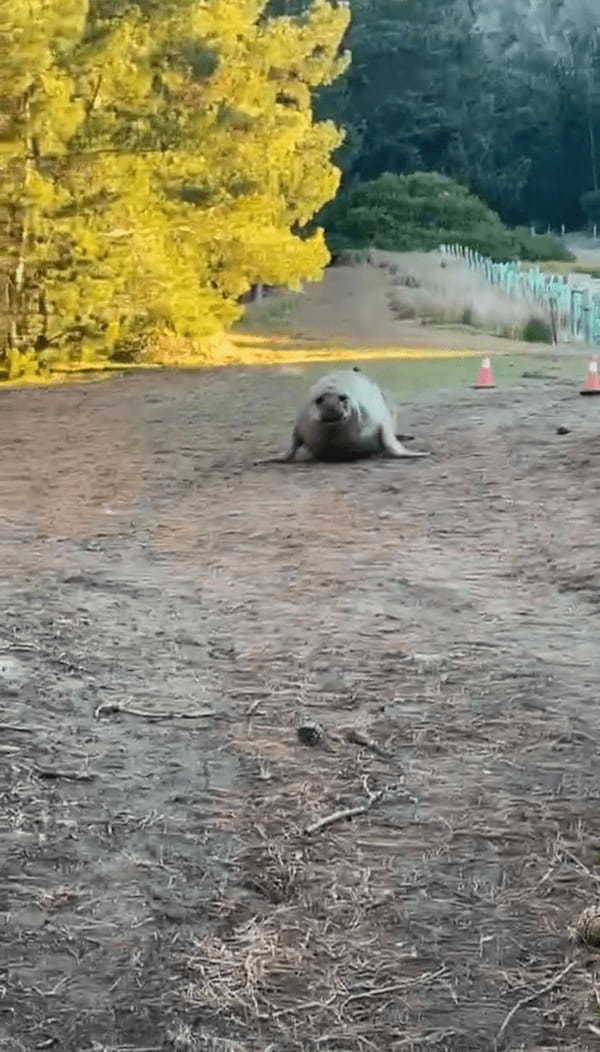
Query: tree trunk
{"points": [[20, 232], [591, 129], [592, 135]]}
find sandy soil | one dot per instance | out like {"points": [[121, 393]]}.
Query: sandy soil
{"points": [[439, 620]]}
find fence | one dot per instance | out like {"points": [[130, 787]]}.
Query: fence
{"points": [[573, 313]]}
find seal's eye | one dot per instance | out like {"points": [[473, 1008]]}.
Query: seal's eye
{"points": [[319, 400], [343, 398]]}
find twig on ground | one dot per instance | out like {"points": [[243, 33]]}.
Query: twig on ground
{"points": [[401, 985], [253, 707], [50, 773], [381, 901], [478, 643], [356, 737], [341, 816], [17, 645], [306, 1007], [17, 727], [550, 985], [581, 866], [365, 994], [144, 714], [436, 1038]]}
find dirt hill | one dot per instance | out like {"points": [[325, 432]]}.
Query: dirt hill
{"points": [[400, 299]]}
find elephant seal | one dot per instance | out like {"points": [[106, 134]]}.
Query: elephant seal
{"points": [[345, 416]]}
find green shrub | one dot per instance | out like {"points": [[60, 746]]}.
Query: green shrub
{"points": [[418, 212], [540, 247], [537, 330], [351, 258], [592, 272], [403, 213]]}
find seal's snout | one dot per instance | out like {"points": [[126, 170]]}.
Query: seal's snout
{"points": [[333, 408], [331, 415]]}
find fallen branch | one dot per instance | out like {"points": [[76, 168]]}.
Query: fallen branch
{"points": [[17, 727], [402, 984], [356, 737], [530, 998], [365, 994], [436, 1038], [144, 714], [71, 776], [581, 866], [341, 816], [253, 707]]}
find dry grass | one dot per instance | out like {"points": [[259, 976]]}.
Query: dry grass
{"points": [[311, 955], [442, 290], [306, 959]]}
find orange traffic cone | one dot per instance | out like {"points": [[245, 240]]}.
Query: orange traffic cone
{"points": [[485, 376], [592, 383]]}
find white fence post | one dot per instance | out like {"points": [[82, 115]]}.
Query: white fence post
{"points": [[573, 313]]}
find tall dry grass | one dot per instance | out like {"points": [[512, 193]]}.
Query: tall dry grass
{"points": [[439, 290]]}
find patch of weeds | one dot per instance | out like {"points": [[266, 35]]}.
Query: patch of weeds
{"points": [[507, 332], [402, 311], [279, 310], [351, 257], [272, 313]]}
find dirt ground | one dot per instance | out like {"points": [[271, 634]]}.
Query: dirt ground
{"points": [[438, 619], [356, 306]]}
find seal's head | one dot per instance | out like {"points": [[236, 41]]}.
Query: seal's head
{"points": [[332, 408]]}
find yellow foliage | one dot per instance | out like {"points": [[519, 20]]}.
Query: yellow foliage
{"points": [[161, 161]]}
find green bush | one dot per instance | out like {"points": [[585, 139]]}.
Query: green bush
{"points": [[537, 330], [418, 212], [592, 272], [540, 247], [350, 258]]}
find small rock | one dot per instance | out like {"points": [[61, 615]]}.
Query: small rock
{"points": [[310, 734], [563, 430]]}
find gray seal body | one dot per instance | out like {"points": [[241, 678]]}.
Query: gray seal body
{"points": [[346, 416]]}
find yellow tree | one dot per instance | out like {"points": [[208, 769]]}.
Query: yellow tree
{"points": [[176, 164], [38, 113]]}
